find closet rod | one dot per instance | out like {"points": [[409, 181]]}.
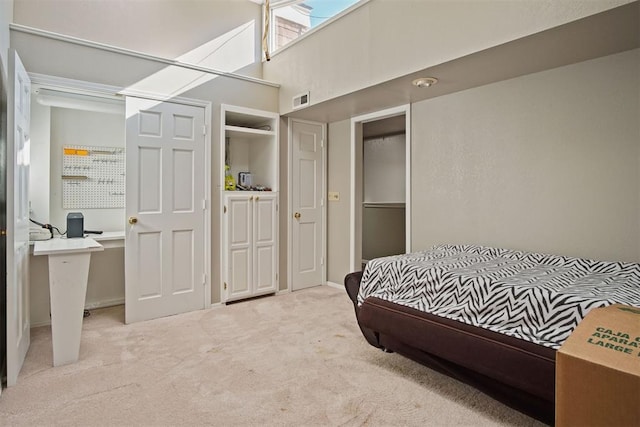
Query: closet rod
{"points": [[383, 205], [384, 135]]}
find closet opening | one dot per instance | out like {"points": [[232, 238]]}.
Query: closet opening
{"points": [[77, 165], [380, 182]]}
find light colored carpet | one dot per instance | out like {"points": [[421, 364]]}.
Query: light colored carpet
{"points": [[297, 359]]}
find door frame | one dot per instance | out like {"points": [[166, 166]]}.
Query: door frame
{"points": [[323, 200], [355, 220], [119, 93]]}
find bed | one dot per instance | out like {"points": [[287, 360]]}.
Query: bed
{"points": [[490, 317]]}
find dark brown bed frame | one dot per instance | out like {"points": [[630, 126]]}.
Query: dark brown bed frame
{"points": [[518, 373]]}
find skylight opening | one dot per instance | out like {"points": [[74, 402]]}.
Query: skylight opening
{"points": [[291, 19]]}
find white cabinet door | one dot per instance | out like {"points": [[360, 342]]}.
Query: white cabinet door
{"points": [[250, 245], [238, 239], [265, 248]]}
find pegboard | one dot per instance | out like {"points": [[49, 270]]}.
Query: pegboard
{"points": [[93, 177]]}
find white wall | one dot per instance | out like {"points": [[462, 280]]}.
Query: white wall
{"points": [[384, 169], [385, 39], [40, 170], [78, 127]]}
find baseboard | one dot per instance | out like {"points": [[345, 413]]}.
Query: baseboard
{"points": [[89, 306], [104, 303], [335, 285], [38, 324]]}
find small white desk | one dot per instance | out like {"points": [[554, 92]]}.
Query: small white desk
{"points": [[68, 273]]}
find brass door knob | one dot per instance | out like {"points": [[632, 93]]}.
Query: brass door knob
{"points": [[133, 220], [297, 215]]}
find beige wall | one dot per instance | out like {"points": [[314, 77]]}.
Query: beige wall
{"points": [[212, 30], [385, 39], [547, 162], [105, 284], [338, 180], [6, 16]]}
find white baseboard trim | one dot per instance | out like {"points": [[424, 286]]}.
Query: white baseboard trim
{"points": [[104, 303], [38, 324], [334, 285], [90, 306]]}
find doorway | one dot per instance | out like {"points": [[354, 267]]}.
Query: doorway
{"points": [[71, 112], [77, 161], [380, 185], [307, 208]]}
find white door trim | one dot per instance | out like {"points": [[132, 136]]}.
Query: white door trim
{"points": [[355, 228], [208, 211], [290, 202]]}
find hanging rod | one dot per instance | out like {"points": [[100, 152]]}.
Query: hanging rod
{"points": [[384, 205]]}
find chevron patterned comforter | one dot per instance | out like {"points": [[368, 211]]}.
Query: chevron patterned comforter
{"points": [[535, 297]]}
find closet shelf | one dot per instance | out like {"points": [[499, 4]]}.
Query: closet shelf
{"points": [[244, 132]]}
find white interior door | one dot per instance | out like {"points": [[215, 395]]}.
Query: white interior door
{"points": [[18, 326], [165, 206], [307, 204]]}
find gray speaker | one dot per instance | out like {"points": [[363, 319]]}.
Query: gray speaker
{"points": [[75, 225]]}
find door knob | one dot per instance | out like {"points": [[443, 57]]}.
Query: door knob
{"points": [[296, 215], [133, 220]]}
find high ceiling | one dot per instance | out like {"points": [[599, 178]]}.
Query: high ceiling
{"points": [[606, 33]]}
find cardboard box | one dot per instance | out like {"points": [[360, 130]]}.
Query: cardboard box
{"points": [[598, 370]]}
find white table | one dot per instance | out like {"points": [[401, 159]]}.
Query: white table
{"points": [[68, 273]]}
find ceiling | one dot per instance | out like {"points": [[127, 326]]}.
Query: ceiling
{"points": [[606, 33]]}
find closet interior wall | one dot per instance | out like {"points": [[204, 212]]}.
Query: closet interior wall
{"points": [[383, 210]]}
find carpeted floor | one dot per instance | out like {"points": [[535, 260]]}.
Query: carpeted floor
{"points": [[297, 359]]}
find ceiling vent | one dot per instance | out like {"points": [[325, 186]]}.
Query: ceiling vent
{"points": [[301, 101]]}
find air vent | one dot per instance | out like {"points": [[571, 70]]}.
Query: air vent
{"points": [[300, 101]]}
